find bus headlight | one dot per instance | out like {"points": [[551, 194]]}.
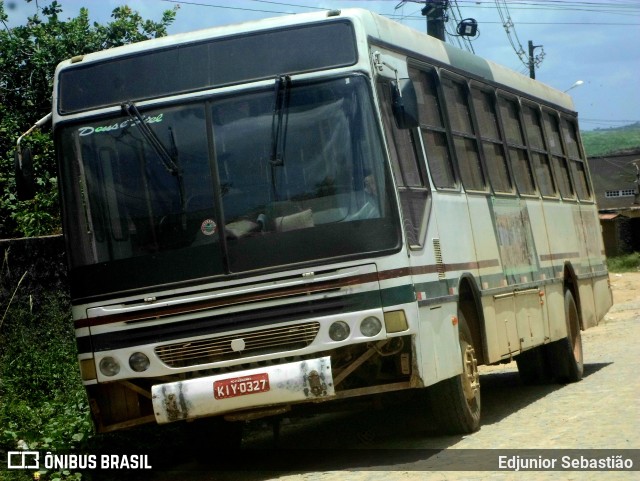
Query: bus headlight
{"points": [[109, 366], [370, 326], [339, 331], [139, 362]]}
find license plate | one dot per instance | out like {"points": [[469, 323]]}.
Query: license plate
{"points": [[241, 386]]}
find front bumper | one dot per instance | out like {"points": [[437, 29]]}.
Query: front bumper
{"points": [[307, 380]]}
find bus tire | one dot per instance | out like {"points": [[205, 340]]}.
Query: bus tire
{"points": [[566, 354], [455, 402], [533, 366]]}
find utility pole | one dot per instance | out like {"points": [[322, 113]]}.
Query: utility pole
{"points": [[532, 60], [436, 13]]}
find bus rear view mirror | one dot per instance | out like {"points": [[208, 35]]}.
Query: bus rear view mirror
{"points": [[23, 163], [405, 104], [25, 182]]}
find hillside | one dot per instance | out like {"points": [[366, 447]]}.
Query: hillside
{"points": [[605, 141]]}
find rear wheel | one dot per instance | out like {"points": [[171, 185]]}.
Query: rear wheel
{"points": [[566, 354], [455, 402]]}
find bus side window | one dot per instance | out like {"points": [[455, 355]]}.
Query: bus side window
{"points": [[538, 149], [492, 147], [410, 179], [558, 157], [578, 169], [464, 138], [432, 129], [510, 117]]}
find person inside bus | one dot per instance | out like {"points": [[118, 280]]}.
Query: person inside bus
{"points": [[370, 202]]}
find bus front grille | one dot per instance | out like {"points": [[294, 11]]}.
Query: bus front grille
{"points": [[238, 346]]}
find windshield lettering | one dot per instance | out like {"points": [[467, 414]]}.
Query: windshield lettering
{"points": [[88, 130]]}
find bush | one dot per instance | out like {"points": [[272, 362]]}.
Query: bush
{"points": [[43, 404], [625, 263]]}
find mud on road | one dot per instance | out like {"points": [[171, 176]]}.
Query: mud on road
{"points": [[600, 412]]}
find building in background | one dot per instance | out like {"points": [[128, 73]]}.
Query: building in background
{"points": [[616, 182]]}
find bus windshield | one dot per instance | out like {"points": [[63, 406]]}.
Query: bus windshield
{"points": [[286, 175]]}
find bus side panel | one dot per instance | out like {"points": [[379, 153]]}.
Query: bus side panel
{"points": [[438, 333], [485, 242], [602, 295], [564, 248], [544, 269], [439, 336], [554, 295], [491, 275], [451, 213], [587, 303]]}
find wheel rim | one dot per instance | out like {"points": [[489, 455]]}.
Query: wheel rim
{"points": [[576, 338], [577, 346], [470, 376]]}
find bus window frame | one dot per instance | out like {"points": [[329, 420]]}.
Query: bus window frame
{"points": [[545, 151], [387, 118], [553, 113], [499, 140], [426, 69], [572, 161], [446, 75], [524, 147]]}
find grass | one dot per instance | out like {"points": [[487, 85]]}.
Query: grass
{"points": [[624, 263], [43, 405], [608, 141]]}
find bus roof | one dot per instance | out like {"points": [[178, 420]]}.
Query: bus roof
{"points": [[392, 33], [378, 28]]}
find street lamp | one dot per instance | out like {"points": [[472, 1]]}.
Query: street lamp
{"points": [[577, 83]]}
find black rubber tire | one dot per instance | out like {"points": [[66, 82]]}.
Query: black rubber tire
{"points": [[455, 402], [533, 366], [566, 354]]}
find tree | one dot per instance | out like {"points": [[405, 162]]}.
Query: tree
{"points": [[29, 55]]}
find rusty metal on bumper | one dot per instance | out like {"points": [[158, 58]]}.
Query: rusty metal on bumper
{"points": [[266, 386]]}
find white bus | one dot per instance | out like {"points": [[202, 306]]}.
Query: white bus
{"points": [[316, 207]]}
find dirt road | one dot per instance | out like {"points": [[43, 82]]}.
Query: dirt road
{"points": [[600, 412]]}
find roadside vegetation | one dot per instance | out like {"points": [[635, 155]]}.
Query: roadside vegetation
{"points": [[607, 141], [624, 263], [43, 405], [42, 402], [29, 55]]}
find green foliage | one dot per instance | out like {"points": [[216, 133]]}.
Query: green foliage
{"points": [[608, 141], [624, 263], [42, 401], [29, 55]]}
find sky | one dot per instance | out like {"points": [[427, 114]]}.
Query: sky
{"points": [[593, 43]]}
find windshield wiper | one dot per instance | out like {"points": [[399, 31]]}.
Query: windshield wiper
{"points": [[169, 160], [279, 123], [280, 120]]}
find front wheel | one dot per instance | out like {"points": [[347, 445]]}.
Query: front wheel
{"points": [[455, 402]]}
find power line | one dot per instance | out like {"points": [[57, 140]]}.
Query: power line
{"points": [[414, 17], [227, 7]]}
